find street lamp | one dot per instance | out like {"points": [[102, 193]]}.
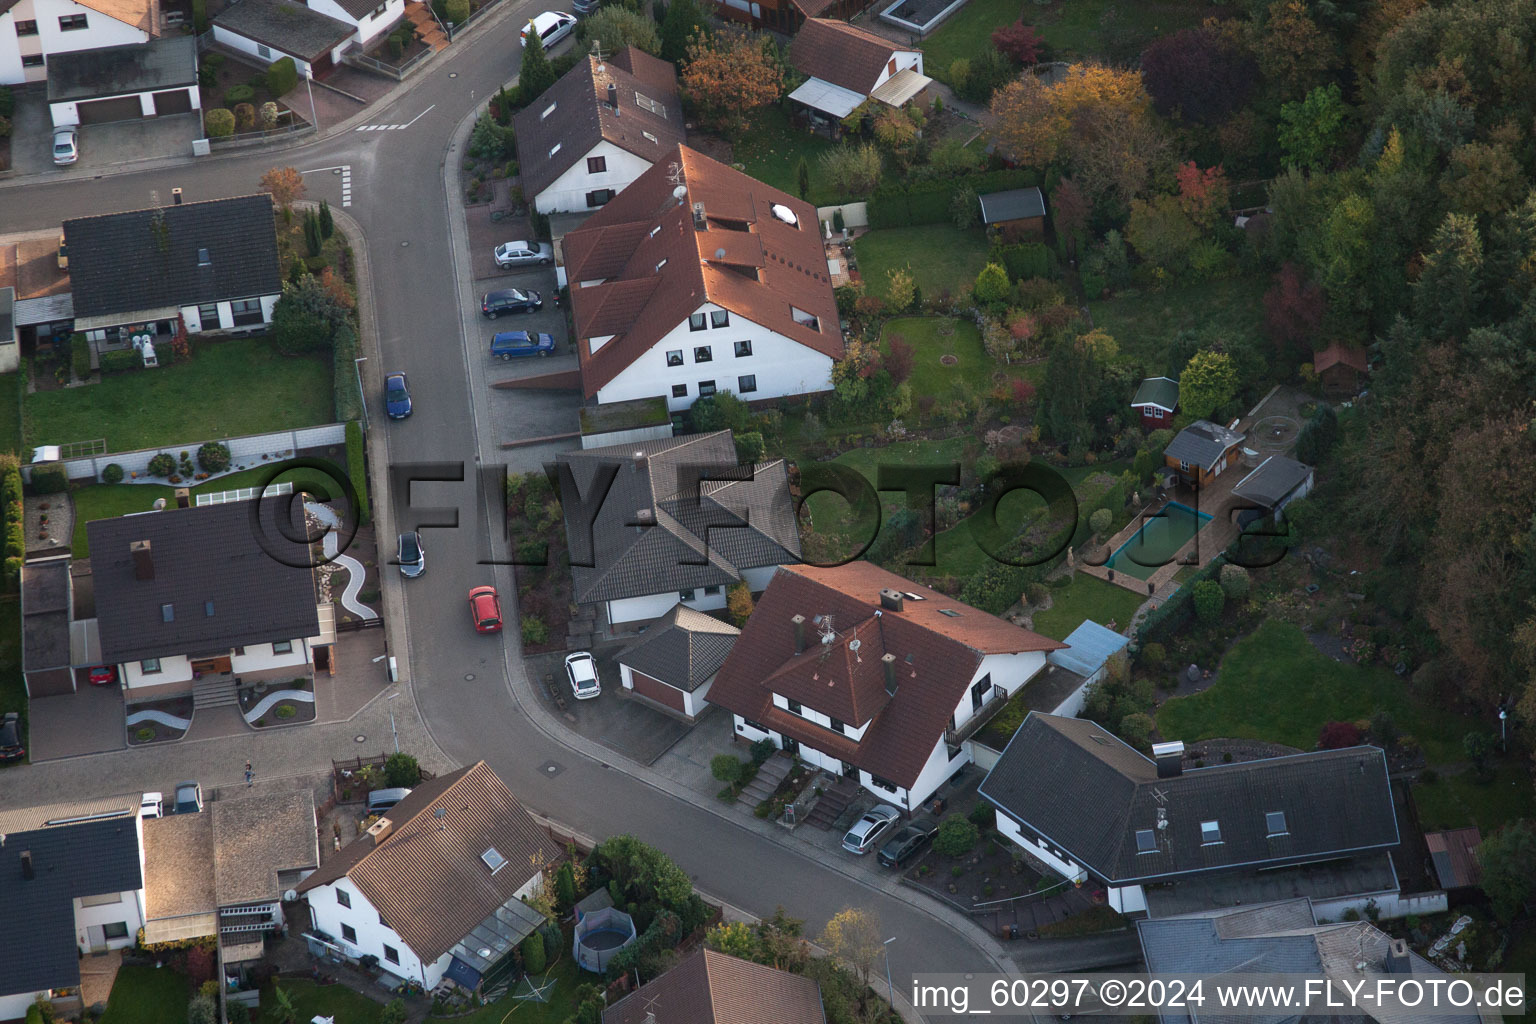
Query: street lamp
{"points": [[357, 365], [311, 91], [391, 711], [890, 990]]}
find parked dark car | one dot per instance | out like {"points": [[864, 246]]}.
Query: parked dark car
{"points": [[906, 843], [510, 300], [518, 344], [189, 798], [10, 738]]}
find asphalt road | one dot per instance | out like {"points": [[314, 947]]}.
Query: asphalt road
{"points": [[465, 685]]}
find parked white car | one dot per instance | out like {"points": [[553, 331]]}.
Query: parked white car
{"points": [[861, 838], [552, 27], [152, 805], [581, 670], [66, 146]]}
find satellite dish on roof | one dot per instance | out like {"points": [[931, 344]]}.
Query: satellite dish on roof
{"points": [[680, 193], [786, 215], [290, 895], [719, 254]]}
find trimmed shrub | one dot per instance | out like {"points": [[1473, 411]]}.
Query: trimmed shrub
{"points": [[285, 711], [213, 457], [282, 75], [121, 361], [50, 478], [357, 469], [899, 204], [349, 401], [457, 11], [957, 837], [162, 464], [396, 48], [7, 101], [1136, 729], [728, 768], [401, 770], [245, 117], [80, 356], [1208, 599], [1154, 654], [1023, 261], [200, 16], [219, 123], [269, 116], [112, 473], [1099, 521], [1235, 582], [535, 630], [238, 94], [533, 954]]}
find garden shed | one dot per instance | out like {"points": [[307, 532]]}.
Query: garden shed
{"points": [[1017, 212]]}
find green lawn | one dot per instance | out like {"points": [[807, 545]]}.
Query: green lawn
{"points": [[10, 412], [107, 501], [1456, 801], [311, 1000], [1146, 323], [1088, 597], [227, 389], [771, 152], [930, 344], [1276, 686], [967, 33], [830, 517], [940, 256], [562, 1000], [146, 995]]}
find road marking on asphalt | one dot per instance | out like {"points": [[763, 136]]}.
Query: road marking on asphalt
{"points": [[394, 127], [345, 170]]}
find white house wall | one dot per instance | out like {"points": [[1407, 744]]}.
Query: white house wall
{"points": [[226, 319], [1056, 861], [1009, 673], [328, 916], [904, 59], [259, 657], [253, 49], [128, 910], [1129, 899], [14, 1007], [935, 773], [568, 192], [370, 26], [173, 669], [781, 365], [100, 30]]}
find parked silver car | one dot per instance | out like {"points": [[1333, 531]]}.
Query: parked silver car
{"points": [[868, 829], [411, 555], [524, 254], [66, 145]]}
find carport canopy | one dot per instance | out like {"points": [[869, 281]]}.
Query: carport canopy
{"points": [[46, 309], [827, 98], [901, 87]]}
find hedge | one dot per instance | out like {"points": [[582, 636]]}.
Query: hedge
{"points": [[80, 356], [349, 400], [50, 478], [15, 541], [1166, 619], [1023, 261], [241, 93], [357, 469], [928, 202], [121, 360], [282, 75]]}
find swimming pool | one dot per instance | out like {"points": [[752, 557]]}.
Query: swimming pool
{"points": [[1153, 545]]}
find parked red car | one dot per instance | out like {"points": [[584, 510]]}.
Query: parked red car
{"points": [[102, 675], [485, 610]]}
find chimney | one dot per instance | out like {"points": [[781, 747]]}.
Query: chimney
{"points": [[613, 97], [1169, 758], [699, 223], [143, 564], [798, 622], [1397, 957], [888, 662], [176, 196], [891, 600], [380, 830], [26, 865], [183, 497]]}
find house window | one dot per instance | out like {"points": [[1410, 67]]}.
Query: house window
{"points": [[597, 164], [26, 28], [246, 312], [32, 60], [794, 707], [382, 921], [696, 322], [649, 137], [1274, 822], [263, 51], [711, 590], [838, 726], [71, 23], [380, 9], [115, 930], [743, 348], [239, 651], [642, 100], [685, 595], [702, 354], [1146, 841], [349, 933], [391, 954], [745, 383], [344, 898], [720, 318], [597, 197], [208, 313], [1210, 833], [149, 666], [675, 357], [168, 613], [706, 388], [104, 900], [283, 647], [747, 723], [679, 390], [879, 783]]}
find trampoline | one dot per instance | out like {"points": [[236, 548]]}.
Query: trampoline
{"points": [[599, 935]]}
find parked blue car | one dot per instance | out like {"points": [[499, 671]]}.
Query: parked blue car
{"points": [[397, 396], [516, 344]]}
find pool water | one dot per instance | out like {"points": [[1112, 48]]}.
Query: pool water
{"points": [[1160, 537]]}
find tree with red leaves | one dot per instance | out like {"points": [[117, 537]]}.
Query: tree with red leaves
{"points": [[1019, 42], [1203, 195], [1023, 390], [200, 966], [898, 360], [1204, 74], [1337, 735], [1293, 312]]}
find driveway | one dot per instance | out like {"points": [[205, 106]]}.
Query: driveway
{"points": [[107, 145], [632, 728], [31, 131], [88, 721]]}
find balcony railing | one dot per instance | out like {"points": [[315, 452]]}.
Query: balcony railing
{"points": [[979, 718], [255, 926]]}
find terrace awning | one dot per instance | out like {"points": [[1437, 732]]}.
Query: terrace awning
{"points": [[901, 87], [46, 309], [827, 98]]}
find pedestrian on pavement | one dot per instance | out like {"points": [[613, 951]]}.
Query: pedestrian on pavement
{"points": [[250, 776]]}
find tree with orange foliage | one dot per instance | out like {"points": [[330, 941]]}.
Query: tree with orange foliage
{"points": [[286, 185], [730, 73], [1293, 52], [1203, 195], [337, 289], [1034, 122]]}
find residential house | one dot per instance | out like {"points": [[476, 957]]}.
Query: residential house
{"points": [[650, 527], [71, 884], [438, 887], [1163, 840], [1016, 214], [270, 30], [212, 264], [47, 608], [1287, 937], [868, 675], [371, 20], [715, 988], [1341, 370], [675, 660], [204, 600], [785, 15], [597, 129], [124, 83], [1272, 485], [697, 279], [224, 872], [33, 32], [36, 270], [1201, 451], [1157, 399], [847, 67]]}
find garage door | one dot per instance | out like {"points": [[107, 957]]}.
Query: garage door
{"points": [[657, 690], [52, 682], [125, 108], [173, 101]]}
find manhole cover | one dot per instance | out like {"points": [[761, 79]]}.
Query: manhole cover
{"points": [[469, 677], [551, 768], [949, 360], [453, 74], [359, 739], [404, 244], [336, 170]]}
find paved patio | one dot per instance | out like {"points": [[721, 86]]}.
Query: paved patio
{"points": [[98, 973], [88, 721]]}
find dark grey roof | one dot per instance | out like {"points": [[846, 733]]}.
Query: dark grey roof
{"points": [[45, 614], [1014, 204], [163, 63], [1162, 392], [37, 944], [701, 536], [286, 26], [1088, 793], [684, 648], [122, 262], [1274, 479], [1202, 443], [217, 554]]}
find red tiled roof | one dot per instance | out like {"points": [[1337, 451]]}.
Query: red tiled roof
{"points": [[1337, 354], [656, 268], [836, 52], [936, 656]]}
